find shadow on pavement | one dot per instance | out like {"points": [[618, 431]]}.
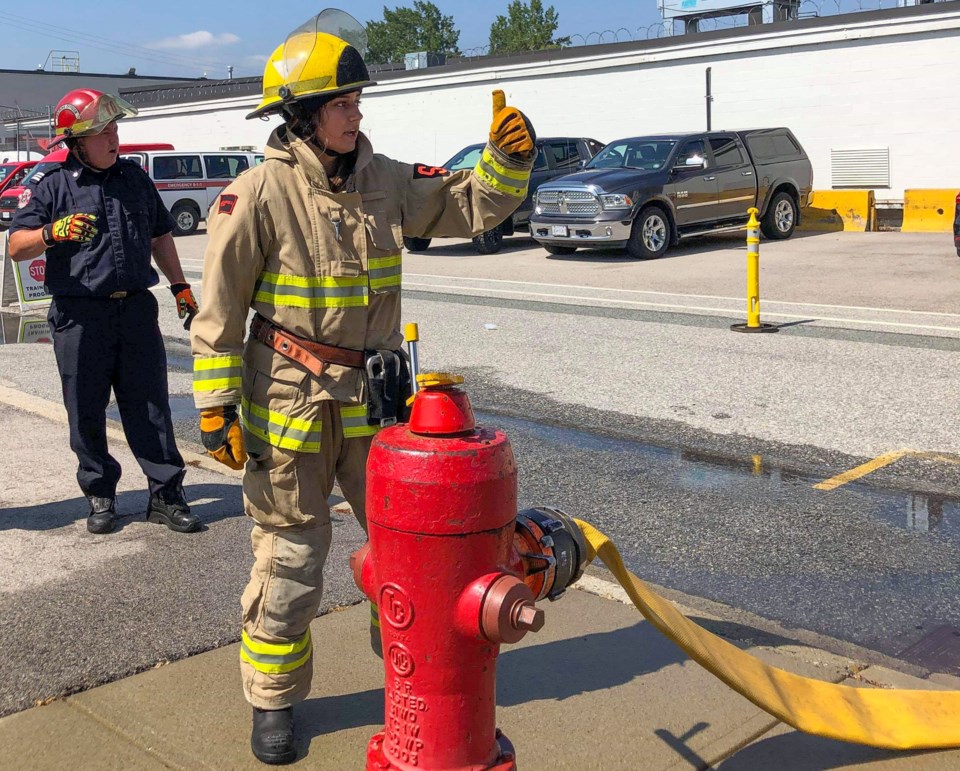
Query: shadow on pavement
{"points": [[595, 662], [796, 751], [466, 248], [319, 717], [215, 502]]}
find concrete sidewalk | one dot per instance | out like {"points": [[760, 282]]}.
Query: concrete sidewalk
{"points": [[597, 688]]}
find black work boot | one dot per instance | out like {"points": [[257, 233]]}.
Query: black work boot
{"points": [[169, 507], [103, 514], [272, 736]]}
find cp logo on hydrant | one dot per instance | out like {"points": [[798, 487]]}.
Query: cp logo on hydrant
{"points": [[455, 571]]}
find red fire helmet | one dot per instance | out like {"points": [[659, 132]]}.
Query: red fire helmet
{"points": [[84, 113]]}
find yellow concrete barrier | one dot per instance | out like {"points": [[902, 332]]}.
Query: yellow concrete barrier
{"points": [[929, 211], [836, 210]]}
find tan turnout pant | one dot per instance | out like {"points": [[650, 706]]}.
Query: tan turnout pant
{"points": [[285, 493]]}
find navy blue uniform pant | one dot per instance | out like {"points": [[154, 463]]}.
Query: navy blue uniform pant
{"points": [[105, 343]]}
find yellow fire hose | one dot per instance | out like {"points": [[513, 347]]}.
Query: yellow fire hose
{"points": [[890, 719]]}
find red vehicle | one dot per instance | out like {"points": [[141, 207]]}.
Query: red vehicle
{"points": [[10, 196], [12, 173]]}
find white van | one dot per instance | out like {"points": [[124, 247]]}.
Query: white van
{"points": [[190, 181]]}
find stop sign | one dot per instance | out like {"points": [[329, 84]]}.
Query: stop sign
{"points": [[37, 269]]}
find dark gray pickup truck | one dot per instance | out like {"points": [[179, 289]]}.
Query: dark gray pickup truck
{"points": [[556, 156], [646, 193]]}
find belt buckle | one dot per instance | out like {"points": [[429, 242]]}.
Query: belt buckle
{"points": [[118, 295]]}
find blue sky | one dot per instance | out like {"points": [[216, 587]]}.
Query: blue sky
{"points": [[192, 38]]}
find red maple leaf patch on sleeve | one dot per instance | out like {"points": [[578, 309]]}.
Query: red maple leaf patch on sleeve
{"points": [[227, 202]]}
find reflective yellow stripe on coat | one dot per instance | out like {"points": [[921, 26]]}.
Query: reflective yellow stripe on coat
{"points": [[276, 658], [354, 420], [385, 271], [214, 372], [311, 291], [500, 178], [280, 430]]}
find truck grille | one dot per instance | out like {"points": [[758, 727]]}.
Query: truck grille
{"points": [[9, 201], [577, 203]]}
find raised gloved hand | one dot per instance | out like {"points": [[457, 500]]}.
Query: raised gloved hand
{"points": [[511, 130], [222, 437], [78, 228], [187, 306]]}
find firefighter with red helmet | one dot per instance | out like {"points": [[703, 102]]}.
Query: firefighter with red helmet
{"points": [[99, 219], [311, 240]]}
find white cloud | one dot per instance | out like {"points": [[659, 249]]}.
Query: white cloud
{"points": [[194, 40]]}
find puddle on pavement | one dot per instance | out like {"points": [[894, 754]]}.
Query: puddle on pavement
{"points": [[699, 472], [15, 330]]}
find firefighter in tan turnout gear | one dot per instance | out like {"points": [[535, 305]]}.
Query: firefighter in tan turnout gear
{"points": [[311, 240]]}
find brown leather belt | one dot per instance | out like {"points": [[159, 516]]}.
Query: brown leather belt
{"points": [[312, 355]]}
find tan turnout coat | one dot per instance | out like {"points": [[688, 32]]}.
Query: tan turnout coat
{"points": [[326, 266]]}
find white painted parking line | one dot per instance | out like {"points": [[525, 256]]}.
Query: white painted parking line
{"points": [[588, 287], [478, 288]]}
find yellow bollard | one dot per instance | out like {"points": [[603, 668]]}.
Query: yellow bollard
{"points": [[753, 280]]}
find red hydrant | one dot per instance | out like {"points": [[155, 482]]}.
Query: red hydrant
{"points": [[455, 571]]}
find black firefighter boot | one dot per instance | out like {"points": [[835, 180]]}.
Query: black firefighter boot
{"points": [[272, 739], [103, 514], [169, 507]]}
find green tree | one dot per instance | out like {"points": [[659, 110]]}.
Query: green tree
{"points": [[526, 27], [405, 30]]}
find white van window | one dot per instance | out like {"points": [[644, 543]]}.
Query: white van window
{"points": [[177, 167], [225, 166]]}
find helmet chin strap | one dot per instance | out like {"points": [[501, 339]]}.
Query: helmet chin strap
{"points": [[323, 149]]}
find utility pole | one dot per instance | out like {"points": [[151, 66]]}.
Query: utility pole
{"points": [[709, 99]]}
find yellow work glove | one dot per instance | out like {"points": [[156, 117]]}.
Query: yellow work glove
{"points": [[78, 228], [187, 306], [222, 437], [511, 131]]}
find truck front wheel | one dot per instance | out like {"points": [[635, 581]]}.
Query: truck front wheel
{"points": [[490, 241], [650, 237], [414, 244], [781, 218]]}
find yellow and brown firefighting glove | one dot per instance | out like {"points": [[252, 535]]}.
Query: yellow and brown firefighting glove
{"points": [[187, 306], [511, 131], [222, 437], [78, 228]]}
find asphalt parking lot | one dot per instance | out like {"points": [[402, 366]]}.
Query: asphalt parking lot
{"points": [[629, 402]]}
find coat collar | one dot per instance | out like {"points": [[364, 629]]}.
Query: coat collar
{"points": [[284, 146]]}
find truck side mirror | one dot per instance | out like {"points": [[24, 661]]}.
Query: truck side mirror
{"points": [[693, 163]]}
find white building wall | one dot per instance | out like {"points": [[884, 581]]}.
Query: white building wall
{"points": [[887, 83]]}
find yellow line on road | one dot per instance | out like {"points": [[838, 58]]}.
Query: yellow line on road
{"points": [[953, 459], [879, 462], [861, 470]]}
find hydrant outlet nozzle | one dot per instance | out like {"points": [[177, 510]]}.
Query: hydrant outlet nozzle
{"points": [[508, 611], [551, 549]]}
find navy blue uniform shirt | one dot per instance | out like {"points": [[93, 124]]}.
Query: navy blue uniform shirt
{"points": [[129, 215]]}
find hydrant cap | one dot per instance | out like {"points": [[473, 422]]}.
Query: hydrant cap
{"points": [[438, 379], [439, 408]]}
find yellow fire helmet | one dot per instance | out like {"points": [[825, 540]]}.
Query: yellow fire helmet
{"points": [[322, 57]]}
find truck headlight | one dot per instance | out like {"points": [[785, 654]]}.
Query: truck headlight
{"points": [[615, 201]]}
